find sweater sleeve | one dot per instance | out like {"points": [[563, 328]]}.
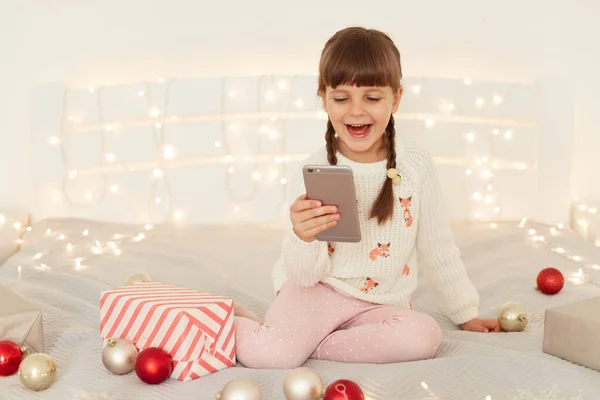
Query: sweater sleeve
{"points": [[439, 255], [305, 264]]}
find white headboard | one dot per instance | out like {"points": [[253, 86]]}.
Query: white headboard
{"points": [[219, 150]]}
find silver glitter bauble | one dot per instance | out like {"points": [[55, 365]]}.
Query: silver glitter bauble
{"points": [[119, 356], [302, 384], [37, 371], [240, 389], [138, 277], [513, 317]]}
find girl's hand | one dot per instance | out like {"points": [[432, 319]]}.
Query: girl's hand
{"points": [[309, 217], [481, 325]]}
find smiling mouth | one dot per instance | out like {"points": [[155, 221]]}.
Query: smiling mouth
{"points": [[359, 130]]}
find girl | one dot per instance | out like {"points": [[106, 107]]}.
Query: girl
{"points": [[350, 302]]}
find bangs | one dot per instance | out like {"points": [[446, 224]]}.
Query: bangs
{"points": [[360, 60]]}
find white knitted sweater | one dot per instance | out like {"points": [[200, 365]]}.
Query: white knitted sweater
{"points": [[383, 267]]}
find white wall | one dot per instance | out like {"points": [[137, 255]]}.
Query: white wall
{"points": [[108, 42]]}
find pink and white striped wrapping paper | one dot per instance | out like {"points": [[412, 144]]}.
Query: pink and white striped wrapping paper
{"points": [[196, 329]]}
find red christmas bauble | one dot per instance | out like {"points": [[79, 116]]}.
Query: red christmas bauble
{"points": [[550, 281], [343, 389], [10, 358], [153, 365]]}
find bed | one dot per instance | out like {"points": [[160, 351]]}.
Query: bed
{"points": [[503, 263], [193, 185]]}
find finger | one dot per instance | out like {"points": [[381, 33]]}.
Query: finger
{"points": [[304, 204], [491, 324], [476, 328], [312, 232], [317, 212], [318, 221]]}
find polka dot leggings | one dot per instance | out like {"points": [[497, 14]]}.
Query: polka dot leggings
{"points": [[319, 323]]}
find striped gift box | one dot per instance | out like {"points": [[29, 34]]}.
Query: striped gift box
{"points": [[196, 329]]}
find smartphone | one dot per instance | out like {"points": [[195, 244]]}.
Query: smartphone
{"points": [[334, 185]]}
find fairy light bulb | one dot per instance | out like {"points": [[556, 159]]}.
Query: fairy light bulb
{"points": [[154, 112], [470, 137], [299, 103], [429, 123], [497, 99], [467, 81], [480, 102], [217, 144], [477, 196], [416, 89], [468, 172], [141, 93], [53, 140], [496, 132], [88, 196], [114, 188], [283, 181], [159, 173], [110, 157], [270, 96], [508, 135], [282, 85], [274, 134], [256, 176], [178, 215]]}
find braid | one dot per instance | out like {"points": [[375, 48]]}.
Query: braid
{"points": [[390, 139], [383, 208], [331, 144]]}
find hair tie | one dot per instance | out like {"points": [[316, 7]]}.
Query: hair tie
{"points": [[392, 173]]}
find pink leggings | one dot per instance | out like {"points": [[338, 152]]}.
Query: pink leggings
{"points": [[319, 323]]}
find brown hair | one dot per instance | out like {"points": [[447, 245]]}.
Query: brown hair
{"points": [[363, 57]]}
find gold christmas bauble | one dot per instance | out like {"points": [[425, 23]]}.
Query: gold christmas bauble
{"points": [[37, 371], [119, 356], [513, 317], [240, 389], [302, 384], [138, 277]]}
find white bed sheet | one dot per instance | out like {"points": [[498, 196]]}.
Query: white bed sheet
{"points": [[237, 261]]}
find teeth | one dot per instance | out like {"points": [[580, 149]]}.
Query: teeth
{"points": [[357, 125]]}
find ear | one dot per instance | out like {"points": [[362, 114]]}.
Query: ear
{"points": [[401, 199], [378, 244], [397, 98], [388, 245], [409, 198]]}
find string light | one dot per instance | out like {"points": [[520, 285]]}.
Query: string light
{"points": [[270, 122], [579, 277]]}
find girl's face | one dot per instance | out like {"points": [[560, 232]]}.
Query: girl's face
{"points": [[359, 116]]}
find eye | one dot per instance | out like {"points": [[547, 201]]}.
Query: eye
{"points": [[339, 99], [374, 99]]}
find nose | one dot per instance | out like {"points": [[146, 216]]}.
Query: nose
{"points": [[357, 109]]}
